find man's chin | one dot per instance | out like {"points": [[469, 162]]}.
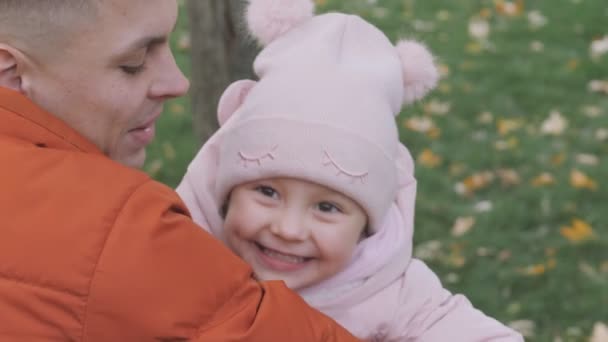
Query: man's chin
{"points": [[134, 160]]}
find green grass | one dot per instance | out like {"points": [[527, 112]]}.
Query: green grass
{"points": [[509, 81]]}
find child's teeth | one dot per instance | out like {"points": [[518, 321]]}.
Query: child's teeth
{"points": [[287, 258]]}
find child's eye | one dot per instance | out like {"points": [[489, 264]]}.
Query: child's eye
{"points": [[132, 69], [328, 207], [267, 191]]}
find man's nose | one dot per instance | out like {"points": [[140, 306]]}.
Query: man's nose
{"points": [[171, 81]]}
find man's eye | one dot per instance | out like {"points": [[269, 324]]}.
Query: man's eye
{"points": [[267, 191], [132, 69], [328, 207]]}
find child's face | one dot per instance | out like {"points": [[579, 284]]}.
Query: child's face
{"points": [[293, 230]]}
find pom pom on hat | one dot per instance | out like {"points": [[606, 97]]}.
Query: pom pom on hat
{"points": [[420, 74], [269, 19]]}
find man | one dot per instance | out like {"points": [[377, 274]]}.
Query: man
{"points": [[92, 250]]}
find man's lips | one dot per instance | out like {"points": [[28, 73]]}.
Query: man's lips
{"points": [[149, 122], [144, 134]]}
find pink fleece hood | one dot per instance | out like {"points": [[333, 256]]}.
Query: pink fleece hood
{"points": [[324, 111]]}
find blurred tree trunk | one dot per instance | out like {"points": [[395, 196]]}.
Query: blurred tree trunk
{"points": [[221, 53]]}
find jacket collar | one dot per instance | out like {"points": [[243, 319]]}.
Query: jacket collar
{"points": [[22, 119]]}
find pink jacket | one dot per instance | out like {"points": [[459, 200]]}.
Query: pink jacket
{"points": [[384, 294]]}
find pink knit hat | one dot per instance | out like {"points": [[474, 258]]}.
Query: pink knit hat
{"points": [[325, 105]]}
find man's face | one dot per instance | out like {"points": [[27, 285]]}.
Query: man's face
{"points": [[111, 81]]}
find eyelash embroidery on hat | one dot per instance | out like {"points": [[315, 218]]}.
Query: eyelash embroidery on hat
{"points": [[245, 159], [328, 160]]}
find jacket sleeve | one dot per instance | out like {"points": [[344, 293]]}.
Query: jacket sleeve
{"points": [[429, 313], [162, 278]]}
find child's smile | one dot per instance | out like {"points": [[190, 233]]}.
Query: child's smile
{"points": [[293, 230], [280, 261]]}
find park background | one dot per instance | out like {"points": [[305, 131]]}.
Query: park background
{"points": [[511, 152]]}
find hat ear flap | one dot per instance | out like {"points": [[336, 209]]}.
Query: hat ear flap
{"points": [[405, 165], [232, 98], [420, 74]]}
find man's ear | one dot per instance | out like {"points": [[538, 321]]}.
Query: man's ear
{"points": [[9, 68]]}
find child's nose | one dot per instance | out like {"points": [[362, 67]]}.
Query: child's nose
{"points": [[290, 226]]}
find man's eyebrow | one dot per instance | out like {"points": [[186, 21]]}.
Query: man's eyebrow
{"points": [[145, 42], [148, 41]]}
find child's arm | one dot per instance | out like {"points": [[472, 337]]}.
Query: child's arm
{"points": [[428, 312]]}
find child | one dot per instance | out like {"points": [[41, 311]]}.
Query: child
{"points": [[307, 181]]}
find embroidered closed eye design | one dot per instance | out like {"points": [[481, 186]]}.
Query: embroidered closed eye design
{"points": [[247, 159], [328, 160]]}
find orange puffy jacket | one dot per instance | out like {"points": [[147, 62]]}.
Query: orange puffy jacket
{"points": [[94, 251]]}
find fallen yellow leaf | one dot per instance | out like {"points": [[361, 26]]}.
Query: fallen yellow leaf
{"points": [[443, 15], [444, 69], [428, 250], [592, 111], [463, 225], [525, 327], [466, 87], [533, 270], [485, 13], [555, 124], [600, 333], [456, 258], [578, 231], [434, 133], [444, 88], [504, 255], [537, 46], [599, 47], [601, 134], [437, 107], [558, 159], [509, 144], [508, 177], [509, 8], [587, 159], [543, 179], [588, 270], [477, 181], [485, 118], [473, 48], [168, 151], [420, 124], [154, 167], [536, 19], [176, 108], [506, 126], [598, 86], [479, 28], [572, 64], [580, 180], [429, 159], [184, 43], [456, 169], [483, 206]]}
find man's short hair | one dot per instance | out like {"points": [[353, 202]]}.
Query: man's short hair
{"points": [[38, 24]]}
